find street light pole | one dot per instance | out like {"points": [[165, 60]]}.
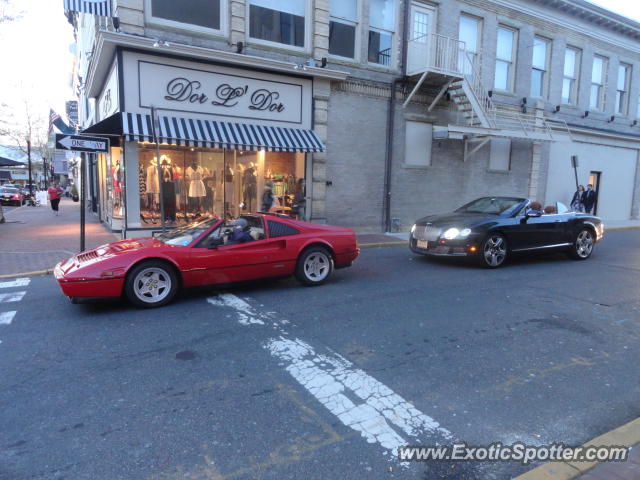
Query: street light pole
{"points": [[44, 171], [29, 160]]}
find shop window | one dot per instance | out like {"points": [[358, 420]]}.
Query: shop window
{"points": [[418, 137], [277, 229], [206, 15], [278, 22], [500, 155], [381, 29], [342, 28], [200, 182]]}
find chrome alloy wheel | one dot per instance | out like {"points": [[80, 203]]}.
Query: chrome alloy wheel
{"points": [[584, 244], [495, 250], [317, 266], [152, 285]]}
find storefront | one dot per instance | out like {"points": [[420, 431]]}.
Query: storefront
{"points": [[215, 138]]}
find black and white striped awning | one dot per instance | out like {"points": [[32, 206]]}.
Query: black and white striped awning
{"points": [[101, 8], [214, 134]]}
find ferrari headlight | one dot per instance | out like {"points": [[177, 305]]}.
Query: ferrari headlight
{"points": [[453, 233]]}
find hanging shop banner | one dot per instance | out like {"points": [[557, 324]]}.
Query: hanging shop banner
{"points": [[223, 93], [101, 8]]}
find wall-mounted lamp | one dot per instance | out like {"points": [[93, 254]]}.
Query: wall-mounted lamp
{"points": [[634, 123], [490, 93], [557, 109], [239, 47], [611, 118], [524, 100], [448, 96], [323, 62], [523, 105], [116, 23], [585, 114]]}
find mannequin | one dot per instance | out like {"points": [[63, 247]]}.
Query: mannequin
{"points": [[249, 186], [210, 187], [177, 182], [116, 174], [153, 185], [195, 173], [168, 190]]}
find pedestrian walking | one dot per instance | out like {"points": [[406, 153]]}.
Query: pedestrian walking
{"points": [[54, 193], [299, 199], [576, 201], [267, 196], [589, 199]]}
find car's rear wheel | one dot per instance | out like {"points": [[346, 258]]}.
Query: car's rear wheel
{"points": [[315, 266], [582, 245], [494, 250], [151, 284]]}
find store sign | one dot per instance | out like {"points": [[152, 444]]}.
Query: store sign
{"points": [[72, 112], [109, 100], [189, 90]]}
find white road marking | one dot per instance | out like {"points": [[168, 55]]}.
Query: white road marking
{"points": [[18, 282], [11, 297], [6, 318], [330, 377], [360, 401]]}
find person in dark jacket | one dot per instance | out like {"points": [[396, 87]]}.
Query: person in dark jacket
{"points": [[576, 201], [589, 199], [267, 196], [299, 200]]}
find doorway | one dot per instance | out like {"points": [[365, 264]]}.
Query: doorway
{"points": [[422, 22], [595, 179]]}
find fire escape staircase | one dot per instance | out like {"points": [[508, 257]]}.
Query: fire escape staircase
{"points": [[448, 64]]}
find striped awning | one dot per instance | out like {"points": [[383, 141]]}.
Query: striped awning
{"points": [[101, 8], [214, 134]]}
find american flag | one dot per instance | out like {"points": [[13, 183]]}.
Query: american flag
{"points": [[53, 118]]}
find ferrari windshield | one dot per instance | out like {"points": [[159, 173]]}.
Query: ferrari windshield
{"points": [[183, 236], [492, 206]]}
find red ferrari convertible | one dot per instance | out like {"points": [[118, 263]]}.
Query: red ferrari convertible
{"points": [[149, 271]]}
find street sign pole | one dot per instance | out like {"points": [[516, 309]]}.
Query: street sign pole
{"points": [[29, 160], [83, 200], [574, 164]]}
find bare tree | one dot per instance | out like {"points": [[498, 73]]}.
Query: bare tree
{"points": [[8, 11]]}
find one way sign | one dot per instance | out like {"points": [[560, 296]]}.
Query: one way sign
{"points": [[80, 143]]}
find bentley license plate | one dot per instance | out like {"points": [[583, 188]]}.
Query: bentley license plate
{"points": [[423, 244]]}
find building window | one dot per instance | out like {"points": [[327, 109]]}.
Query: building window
{"points": [[505, 53], [540, 66], [570, 78], [500, 155], [622, 90], [417, 150], [189, 12], [598, 76], [278, 22], [469, 33], [382, 21], [342, 28]]}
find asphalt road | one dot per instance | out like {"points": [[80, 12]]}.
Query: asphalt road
{"points": [[242, 383]]}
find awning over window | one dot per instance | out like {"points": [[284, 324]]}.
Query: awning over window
{"points": [[209, 133]]}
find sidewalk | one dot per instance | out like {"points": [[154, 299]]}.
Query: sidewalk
{"points": [[35, 239]]}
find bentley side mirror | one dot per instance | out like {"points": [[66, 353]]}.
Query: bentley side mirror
{"points": [[533, 214]]}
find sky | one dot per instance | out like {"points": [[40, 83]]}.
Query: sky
{"points": [[37, 61]]}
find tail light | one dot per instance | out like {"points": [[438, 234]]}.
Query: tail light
{"points": [[16, 196]]}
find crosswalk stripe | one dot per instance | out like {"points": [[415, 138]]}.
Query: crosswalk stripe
{"points": [[18, 282], [11, 297], [6, 318]]}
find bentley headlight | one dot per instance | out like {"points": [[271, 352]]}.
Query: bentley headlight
{"points": [[451, 233], [413, 229]]}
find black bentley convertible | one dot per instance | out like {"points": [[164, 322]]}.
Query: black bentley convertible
{"points": [[491, 229]]}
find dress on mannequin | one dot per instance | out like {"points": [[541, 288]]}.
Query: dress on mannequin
{"points": [[168, 192], [249, 187], [195, 173], [152, 185]]}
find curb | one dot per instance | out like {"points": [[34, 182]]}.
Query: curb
{"points": [[613, 229], [627, 435], [381, 244], [27, 274]]}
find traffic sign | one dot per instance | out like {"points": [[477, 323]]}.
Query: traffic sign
{"points": [[81, 143]]}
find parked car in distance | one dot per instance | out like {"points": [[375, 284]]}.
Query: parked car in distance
{"points": [[11, 196], [491, 229], [150, 271]]}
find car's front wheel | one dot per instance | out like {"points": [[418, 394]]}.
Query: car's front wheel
{"points": [[583, 245], [315, 266], [494, 250], [151, 284]]}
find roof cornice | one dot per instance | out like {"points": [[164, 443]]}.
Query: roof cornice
{"points": [[106, 43]]}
